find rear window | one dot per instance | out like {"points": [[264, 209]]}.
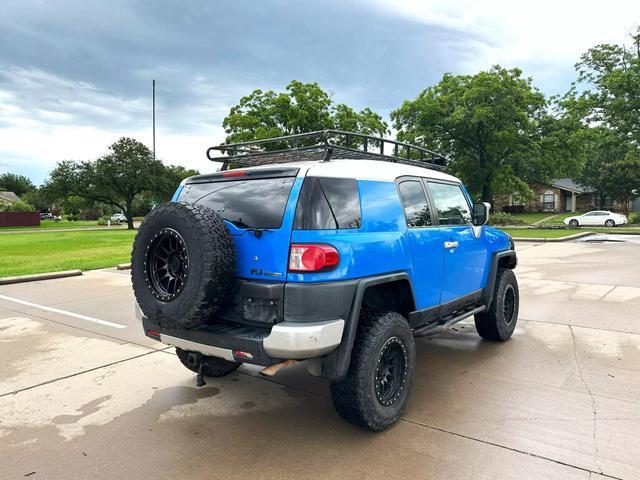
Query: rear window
{"points": [[258, 203], [328, 204]]}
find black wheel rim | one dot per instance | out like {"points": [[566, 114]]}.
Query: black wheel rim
{"points": [[391, 372], [509, 304], [167, 265]]}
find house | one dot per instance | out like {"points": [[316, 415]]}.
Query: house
{"points": [[559, 195], [8, 197]]}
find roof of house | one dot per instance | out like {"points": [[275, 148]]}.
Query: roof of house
{"points": [[570, 185], [9, 197]]}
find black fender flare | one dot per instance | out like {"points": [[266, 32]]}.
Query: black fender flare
{"points": [[334, 366], [507, 257]]}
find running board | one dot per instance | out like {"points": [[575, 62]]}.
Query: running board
{"points": [[434, 329]]}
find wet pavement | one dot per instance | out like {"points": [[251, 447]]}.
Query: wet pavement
{"points": [[83, 394]]}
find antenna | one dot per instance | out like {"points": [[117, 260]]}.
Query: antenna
{"points": [[153, 101]]}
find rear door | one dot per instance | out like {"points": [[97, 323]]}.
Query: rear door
{"points": [[425, 243], [256, 208], [464, 246]]}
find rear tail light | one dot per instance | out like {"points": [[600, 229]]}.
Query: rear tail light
{"points": [[235, 173], [312, 258]]}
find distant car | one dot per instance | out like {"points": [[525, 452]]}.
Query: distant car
{"points": [[47, 216], [118, 218], [596, 218]]}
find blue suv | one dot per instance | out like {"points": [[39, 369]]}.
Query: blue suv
{"points": [[333, 248]]}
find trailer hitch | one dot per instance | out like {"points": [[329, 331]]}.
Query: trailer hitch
{"points": [[197, 360]]}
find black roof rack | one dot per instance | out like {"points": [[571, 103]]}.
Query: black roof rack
{"points": [[322, 145]]}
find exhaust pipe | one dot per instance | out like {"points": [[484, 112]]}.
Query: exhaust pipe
{"points": [[271, 370]]}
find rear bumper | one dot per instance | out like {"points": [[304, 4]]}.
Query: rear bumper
{"points": [[285, 340]]}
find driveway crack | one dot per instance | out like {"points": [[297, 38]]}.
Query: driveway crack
{"points": [[593, 398]]}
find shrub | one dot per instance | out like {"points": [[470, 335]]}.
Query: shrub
{"points": [[18, 206], [72, 217], [634, 217], [501, 218]]}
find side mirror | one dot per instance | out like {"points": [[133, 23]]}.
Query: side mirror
{"points": [[480, 213]]}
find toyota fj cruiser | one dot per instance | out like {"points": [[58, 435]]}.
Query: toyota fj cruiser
{"points": [[334, 248]]}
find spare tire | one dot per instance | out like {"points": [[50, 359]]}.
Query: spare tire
{"points": [[183, 265]]}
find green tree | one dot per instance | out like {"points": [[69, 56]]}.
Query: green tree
{"points": [[604, 148], [171, 177], [607, 92], [302, 108], [497, 129], [38, 199], [18, 184], [114, 179], [623, 179]]}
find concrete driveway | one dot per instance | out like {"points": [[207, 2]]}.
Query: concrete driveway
{"points": [[83, 394]]}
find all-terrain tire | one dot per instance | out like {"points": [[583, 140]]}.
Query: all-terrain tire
{"points": [[209, 261], [357, 396], [499, 321], [212, 367]]}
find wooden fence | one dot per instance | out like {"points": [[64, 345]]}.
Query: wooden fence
{"points": [[19, 219]]}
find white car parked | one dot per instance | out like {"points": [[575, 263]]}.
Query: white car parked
{"points": [[596, 218], [118, 218]]}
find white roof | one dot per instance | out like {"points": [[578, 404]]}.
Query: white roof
{"points": [[361, 170]]}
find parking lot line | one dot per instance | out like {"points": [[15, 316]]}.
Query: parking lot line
{"points": [[63, 312]]}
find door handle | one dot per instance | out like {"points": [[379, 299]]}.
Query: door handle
{"points": [[450, 245]]}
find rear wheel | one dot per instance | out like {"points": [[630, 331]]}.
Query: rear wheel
{"points": [[499, 321], [212, 366], [573, 223], [609, 223], [374, 392]]}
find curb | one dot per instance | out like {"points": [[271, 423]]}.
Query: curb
{"points": [[39, 276], [561, 239], [124, 266]]}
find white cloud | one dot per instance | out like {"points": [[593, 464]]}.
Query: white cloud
{"points": [[45, 118], [35, 151], [544, 35]]}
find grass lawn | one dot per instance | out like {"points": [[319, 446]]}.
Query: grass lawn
{"points": [[529, 218], [539, 232], [562, 232], [559, 219], [25, 253], [59, 224]]}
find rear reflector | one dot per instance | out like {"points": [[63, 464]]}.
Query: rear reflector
{"points": [[241, 354], [235, 173], [312, 258], [153, 333]]}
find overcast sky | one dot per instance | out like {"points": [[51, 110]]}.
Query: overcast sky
{"points": [[75, 75]]}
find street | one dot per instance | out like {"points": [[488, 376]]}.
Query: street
{"points": [[85, 395]]}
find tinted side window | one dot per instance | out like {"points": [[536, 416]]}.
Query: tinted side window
{"points": [[256, 203], [328, 203], [451, 204], [414, 201]]}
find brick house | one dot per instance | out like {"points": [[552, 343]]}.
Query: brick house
{"points": [[559, 195]]}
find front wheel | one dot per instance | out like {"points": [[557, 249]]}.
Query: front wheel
{"points": [[212, 366], [573, 223], [374, 392], [609, 223], [499, 321]]}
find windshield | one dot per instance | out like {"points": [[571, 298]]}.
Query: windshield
{"points": [[258, 203]]}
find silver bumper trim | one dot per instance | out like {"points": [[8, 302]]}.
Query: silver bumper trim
{"points": [[208, 350], [303, 340]]}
